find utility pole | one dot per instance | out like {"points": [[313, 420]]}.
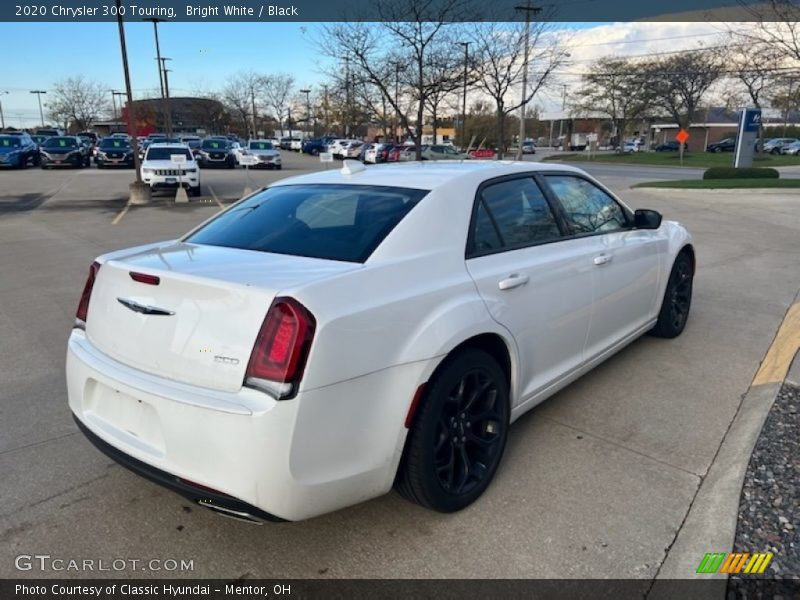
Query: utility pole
{"points": [[159, 63], [308, 107], [347, 96], [463, 140], [528, 10], [325, 110], [396, 102], [168, 110], [114, 94], [2, 118], [253, 103], [140, 192], [39, 95]]}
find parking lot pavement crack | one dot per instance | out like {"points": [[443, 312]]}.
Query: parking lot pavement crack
{"points": [[624, 447], [39, 443], [668, 549]]}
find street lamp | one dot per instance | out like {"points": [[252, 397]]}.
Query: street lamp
{"points": [[140, 192], [528, 10], [464, 96], [2, 118], [308, 107], [39, 95], [160, 63], [168, 107]]}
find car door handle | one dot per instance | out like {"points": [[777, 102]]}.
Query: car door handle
{"points": [[602, 259], [512, 282]]}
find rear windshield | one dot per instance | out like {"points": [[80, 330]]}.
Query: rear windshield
{"points": [[165, 153], [335, 222]]}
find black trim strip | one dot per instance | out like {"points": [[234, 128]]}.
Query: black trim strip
{"points": [[172, 482]]}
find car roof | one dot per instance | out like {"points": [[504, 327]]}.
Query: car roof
{"points": [[427, 175], [168, 145]]}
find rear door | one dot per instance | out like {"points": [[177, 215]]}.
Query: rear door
{"points": [[534, 281], [624, 261]]}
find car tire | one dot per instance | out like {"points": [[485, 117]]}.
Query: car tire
{"points": [[279, 167], [456, 441], [196, 191], [677, 299], [717, 150]]}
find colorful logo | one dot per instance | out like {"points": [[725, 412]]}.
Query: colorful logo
{"points": [[735, 562]]}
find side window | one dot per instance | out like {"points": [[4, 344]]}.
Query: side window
{"points": [[512, 214], [588, 209]]}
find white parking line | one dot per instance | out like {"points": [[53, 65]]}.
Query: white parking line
{"points": [[213, 195], [118, 218]]}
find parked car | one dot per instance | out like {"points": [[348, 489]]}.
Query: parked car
{"points": [[49, 132], [217, 152], [296, 144], [671, 146], [316, 145], [442, 152], [64, 151], [89, 134], [143, 146], [528, 148], [776, 145], [257, 334], [726, 145], [362, 152], [194, 142], [269, 157], [791, 149], [159, 172], [39, 139], [89, 143], [338, 147], [121, 135], [352, 150], [114, 152], [18, 150], [378, 153]]}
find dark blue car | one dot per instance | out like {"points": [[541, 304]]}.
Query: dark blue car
{"points": [[317, 145], [17, 150]]}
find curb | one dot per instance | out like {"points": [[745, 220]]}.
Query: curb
{"points": [[710, 524]]}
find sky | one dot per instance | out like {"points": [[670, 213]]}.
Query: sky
{"points": [[205, 54]]}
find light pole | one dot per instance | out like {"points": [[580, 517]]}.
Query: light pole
{"points": [[308, 107], [563, 108], [159, 64], [39, 95], [2, 118], [114, 94], [396, 101], [140, 192], [168, 108], [528, 10], [463, 139]]}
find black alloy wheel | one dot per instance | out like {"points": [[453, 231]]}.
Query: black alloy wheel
{"points": [[677, 299], [458, 435]]}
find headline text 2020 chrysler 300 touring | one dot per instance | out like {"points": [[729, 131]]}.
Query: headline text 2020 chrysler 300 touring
{"points": [[342, 332]]}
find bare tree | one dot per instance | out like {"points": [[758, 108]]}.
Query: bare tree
{"points": [[277, 90], [777, 23], [238, 95], [615, 88], [445, 75], [78, 101], [499, 49], [679, 81], [753, 63], [416, 29]]}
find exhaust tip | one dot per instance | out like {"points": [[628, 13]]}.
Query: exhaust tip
{"points": [[236, 515]]}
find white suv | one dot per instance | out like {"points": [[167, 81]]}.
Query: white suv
{"points": [[160, 172]]}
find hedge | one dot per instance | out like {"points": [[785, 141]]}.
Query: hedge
{"points": [[741, 173]]}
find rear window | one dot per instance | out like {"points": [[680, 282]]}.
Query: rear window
{"points": [[334, 222]]}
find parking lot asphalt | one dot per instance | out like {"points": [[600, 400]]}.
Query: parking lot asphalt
{"points": [[595, 482]]}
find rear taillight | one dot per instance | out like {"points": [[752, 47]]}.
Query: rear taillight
{"points": [[83, 305], [281, 349]]}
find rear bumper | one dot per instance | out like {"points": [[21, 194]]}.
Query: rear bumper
{"points": [[294, 459]]}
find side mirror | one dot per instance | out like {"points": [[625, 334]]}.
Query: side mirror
{"points": [[645, 218]]}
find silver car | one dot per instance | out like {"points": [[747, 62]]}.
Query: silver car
{"points": [[268, 155]]}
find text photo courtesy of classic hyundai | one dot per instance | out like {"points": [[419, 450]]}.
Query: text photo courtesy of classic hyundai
{"points": [[339, 333]]}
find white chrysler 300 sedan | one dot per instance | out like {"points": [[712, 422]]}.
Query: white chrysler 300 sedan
{"points": [[342, 332]]}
